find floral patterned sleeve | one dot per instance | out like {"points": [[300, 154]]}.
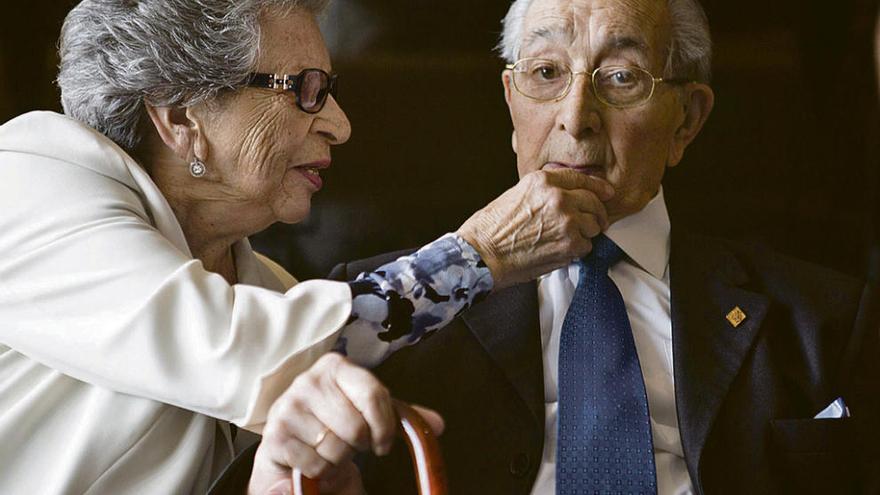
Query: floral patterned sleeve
{"points": [[396, 305]]}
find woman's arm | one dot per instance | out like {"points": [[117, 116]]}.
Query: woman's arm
{"points": [[90, 287], [540, 224], [400, 302], [96, 283]]}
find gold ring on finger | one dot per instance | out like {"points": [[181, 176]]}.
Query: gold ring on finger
{"points": [[321, 436]]}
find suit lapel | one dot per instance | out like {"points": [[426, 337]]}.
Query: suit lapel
{"points": [[707, 282], [506, 325]]}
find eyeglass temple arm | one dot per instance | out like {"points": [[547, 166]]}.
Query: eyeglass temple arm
{"points": [[674, 80]]}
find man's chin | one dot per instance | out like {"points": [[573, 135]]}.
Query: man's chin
{"points": [[621, 206]]}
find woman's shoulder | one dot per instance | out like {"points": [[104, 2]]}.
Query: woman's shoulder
{"points": [[59, 171], [53, 137]]}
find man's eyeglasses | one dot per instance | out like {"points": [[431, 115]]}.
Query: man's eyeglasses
{"points": [[311, 86], [617, 86]]}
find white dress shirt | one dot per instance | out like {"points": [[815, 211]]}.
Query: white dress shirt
{"points": [[643, 280], [97, 394]]}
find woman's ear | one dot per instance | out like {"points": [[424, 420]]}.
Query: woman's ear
{"points": [[698, 100], [180, 130]]}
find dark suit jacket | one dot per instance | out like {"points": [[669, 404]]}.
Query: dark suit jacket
{"points": [[745, 396]]}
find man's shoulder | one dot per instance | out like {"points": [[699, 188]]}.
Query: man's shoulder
{"points": [[781, 276], [351, 269]]}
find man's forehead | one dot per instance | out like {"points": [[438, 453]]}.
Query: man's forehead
{"points": [[620, 24]]}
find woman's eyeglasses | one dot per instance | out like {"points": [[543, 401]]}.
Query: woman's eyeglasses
{"points": [[311, 86]]}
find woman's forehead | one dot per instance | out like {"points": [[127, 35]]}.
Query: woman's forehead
{"points": [[290, 42]]}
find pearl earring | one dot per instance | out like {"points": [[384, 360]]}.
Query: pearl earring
{"points": [[197, 168]]}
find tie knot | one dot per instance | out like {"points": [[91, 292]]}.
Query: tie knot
{"points": [[604, 255]]}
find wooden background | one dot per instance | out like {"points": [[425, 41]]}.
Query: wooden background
{"points": [[787, 158]]}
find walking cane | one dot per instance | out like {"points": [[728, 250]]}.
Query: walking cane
{"points": [[423, 448]]}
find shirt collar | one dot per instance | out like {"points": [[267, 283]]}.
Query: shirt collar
{"points": [[250, 270], [644, 236]]}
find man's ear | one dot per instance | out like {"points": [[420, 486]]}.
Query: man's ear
{"points": [[181, 131], [507, 81], [698, 100]]}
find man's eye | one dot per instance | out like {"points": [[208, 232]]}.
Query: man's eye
{"points": [[546, 72], [622, 77]]}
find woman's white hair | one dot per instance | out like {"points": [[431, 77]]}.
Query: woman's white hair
{"points": [[118, 54], [690, 47]]}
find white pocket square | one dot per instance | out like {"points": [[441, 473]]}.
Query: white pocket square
{"points": [[835, 410]]}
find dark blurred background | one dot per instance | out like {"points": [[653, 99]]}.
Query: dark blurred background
{"points": [[787, 157]]}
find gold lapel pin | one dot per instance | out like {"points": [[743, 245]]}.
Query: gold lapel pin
{"points": [[736, 317]]}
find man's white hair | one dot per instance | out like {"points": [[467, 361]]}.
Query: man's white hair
{"points": [[118, 54], [690, 46]]}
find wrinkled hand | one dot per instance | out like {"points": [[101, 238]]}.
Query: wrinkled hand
{"points": [[329, 413], [539, 225]]}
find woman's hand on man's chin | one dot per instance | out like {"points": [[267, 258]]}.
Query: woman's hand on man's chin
{"points": [[539, 225], [329, 413]]}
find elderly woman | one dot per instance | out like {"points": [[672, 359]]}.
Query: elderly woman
{"points": [[136, 323]]}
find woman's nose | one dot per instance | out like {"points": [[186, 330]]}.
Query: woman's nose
{"points": [[332, 123]]}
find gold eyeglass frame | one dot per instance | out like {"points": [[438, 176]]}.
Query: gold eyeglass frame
{"points": [[592, 74]]}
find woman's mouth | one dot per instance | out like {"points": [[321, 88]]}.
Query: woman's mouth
{"points": [[313, 175], [312, 172]]}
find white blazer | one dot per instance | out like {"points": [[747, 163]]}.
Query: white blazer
{"points": [[117, 348]]}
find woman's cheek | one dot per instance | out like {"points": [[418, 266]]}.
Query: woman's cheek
{"points": [[262, 149]]}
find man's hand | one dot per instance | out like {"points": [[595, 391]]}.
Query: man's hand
{"points": [[329, 413], [539, 225]]}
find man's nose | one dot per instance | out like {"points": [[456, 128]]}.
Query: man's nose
{"points": [[579, 109]]}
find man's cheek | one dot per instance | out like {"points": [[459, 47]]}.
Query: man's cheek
{"points": [[523, 164], [529, 158]]}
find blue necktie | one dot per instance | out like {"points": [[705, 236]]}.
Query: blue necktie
{"points": [[604, 441]]}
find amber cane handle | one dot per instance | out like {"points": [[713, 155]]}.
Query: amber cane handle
{"points": [[423, 449]]}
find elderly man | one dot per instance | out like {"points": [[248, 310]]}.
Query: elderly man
{"points": [[663, 362], [696, 365]]}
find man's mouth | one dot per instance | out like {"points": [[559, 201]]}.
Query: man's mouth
{"points": [[583, 168]]}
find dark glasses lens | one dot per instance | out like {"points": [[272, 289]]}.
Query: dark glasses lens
{"points": [[314, 85], [311, 86]]}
